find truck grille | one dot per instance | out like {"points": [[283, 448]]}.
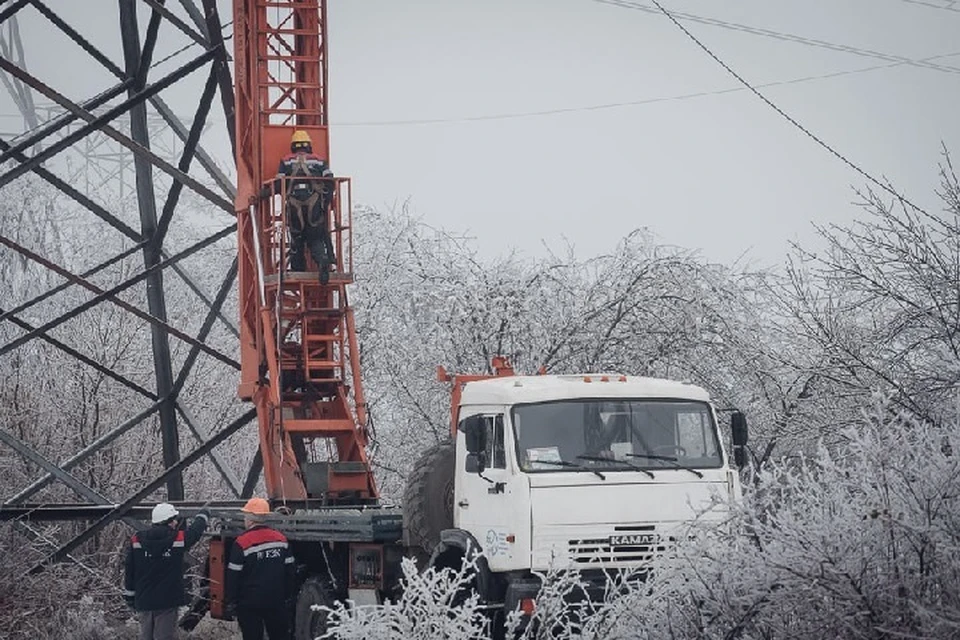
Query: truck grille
{"points": [[626, 545]]}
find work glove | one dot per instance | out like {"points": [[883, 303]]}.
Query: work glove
{"points": [[204, 514], [265, 192], [130, 601], [230, 611]]}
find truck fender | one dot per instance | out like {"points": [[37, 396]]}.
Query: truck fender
{"points": [[457, 545]]}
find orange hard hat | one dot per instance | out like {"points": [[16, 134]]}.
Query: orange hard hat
{"points": [[256, 506]]}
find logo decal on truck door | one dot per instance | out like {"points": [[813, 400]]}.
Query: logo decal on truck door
{"points": [[496, 543]]}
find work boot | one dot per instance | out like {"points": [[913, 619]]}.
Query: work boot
{"points": [[324, 274]]}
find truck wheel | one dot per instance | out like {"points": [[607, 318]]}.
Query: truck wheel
{"points": [[310, 624], [428, 497]]}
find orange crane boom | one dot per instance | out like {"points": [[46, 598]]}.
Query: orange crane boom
{"points": [[299, 355]]}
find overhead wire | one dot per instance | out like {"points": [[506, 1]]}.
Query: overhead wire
{"points": [[780, 35], [631, 103], [884, 186], [608, 105], [894, 60], [948, 7]]}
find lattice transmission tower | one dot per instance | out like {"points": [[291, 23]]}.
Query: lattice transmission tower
{"points": [[117, 151]]}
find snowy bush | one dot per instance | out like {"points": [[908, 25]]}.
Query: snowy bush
{"points": [[434, 604], [858, 541], [862, 541]]}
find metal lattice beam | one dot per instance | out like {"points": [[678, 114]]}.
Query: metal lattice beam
{"points": [[85, 453], [137, 65], [111, 114], [220, 58], [189, 150], [154, 320], [162, 108], [121, 509], [70, 351], [91, 121], [140, 148], [28, 453], [81, 198]]}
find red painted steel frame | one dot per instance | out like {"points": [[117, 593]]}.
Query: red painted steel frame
{"points": [[291, 325], [501, 368]]}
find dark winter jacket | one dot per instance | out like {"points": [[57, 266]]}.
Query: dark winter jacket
{"points": [[154, 567], [261, 570], [308, 165]]}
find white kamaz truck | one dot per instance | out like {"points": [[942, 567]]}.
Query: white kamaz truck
{"points": [[586, 472]]}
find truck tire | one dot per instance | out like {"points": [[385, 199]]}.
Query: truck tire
{"points": [[428, 498], [309, 624]]}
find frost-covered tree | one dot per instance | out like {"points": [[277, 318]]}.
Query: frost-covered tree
{"points": [[426, 298], [879, 307]]}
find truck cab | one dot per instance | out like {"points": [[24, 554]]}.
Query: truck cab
{"points": [[585, 472]]}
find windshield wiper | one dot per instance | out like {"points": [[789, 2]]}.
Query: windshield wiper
{"points": [[626, 462], [673, 461], [565, 463]]}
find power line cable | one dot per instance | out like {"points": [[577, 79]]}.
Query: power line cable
{"points": [[779, 35], [950, 6], [790, 119], [631, 103], [604, 106]]}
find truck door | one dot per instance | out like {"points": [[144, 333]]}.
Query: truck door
{"points": [[486, 503]]}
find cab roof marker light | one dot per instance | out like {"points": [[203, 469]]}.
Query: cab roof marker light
{"points": [[587, 379], [622, 378], [604, 378]]}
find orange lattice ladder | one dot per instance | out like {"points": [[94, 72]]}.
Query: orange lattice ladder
{"points": [[305, 344]]}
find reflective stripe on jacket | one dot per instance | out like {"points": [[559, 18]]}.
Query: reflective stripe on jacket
{"points": [[153, 571], [260, 571]]}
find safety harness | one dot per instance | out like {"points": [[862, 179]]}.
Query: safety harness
{"points": [[302, 207]]}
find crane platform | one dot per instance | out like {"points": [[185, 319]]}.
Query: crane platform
{"points": [[336, 277]]}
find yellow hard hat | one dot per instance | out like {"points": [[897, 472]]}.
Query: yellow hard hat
{"points": [[300, 137], [256, 506]]}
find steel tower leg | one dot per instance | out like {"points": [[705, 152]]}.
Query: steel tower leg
{"points": [[136, 68]]}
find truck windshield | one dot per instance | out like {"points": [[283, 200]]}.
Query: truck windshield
{"points": [[615, 435]]}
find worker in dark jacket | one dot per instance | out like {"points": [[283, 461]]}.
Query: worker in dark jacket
{"points": [[260, 577], [308, 204], [153, 581]]}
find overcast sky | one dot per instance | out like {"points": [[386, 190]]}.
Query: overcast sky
{"points": [[442, 103]]}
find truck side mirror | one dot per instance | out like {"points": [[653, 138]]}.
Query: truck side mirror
{"points": [[738, 428], [474, 463], [475, 433]]}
